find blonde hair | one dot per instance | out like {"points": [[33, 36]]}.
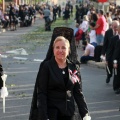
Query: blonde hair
{"points": [[61, 38], [85, 17]]}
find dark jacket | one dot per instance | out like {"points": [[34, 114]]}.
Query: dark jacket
{"points": [[107, 38], [111, 48], [116, 55], [52, 92]]}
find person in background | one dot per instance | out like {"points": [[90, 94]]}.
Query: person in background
{"points": [[59, 11], [76, 28], [84, 26], [55, 12], [88, 53], [100, 27], [78, 37], [92, 35], [110, 56], [46, 13], [116, 65], [107, 39], [94, 18], [109, 18], [66, 14]]}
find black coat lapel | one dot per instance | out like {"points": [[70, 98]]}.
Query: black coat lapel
{"points": [[111, 32], [56, 70], [70, 68]]}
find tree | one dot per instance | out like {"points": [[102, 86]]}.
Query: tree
{"points": [[0, 1]]}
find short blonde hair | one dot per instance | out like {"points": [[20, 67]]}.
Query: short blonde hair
{"points": [[61, 38], [85, 17]]}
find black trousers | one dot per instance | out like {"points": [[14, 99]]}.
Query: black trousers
{"points": [[54, 114], [116, 80], [66, 118], [110, 66]]}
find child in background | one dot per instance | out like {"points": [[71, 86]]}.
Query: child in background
{"points": [[78, 35], [92, 35], [76, 28]]}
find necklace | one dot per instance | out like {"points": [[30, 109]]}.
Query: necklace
{"points": [[63, 72]]}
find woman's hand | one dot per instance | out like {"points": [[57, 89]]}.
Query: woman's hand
{"points": [[115, 65]]}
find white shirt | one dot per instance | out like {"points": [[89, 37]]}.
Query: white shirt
{"points": [[84, 26], [92, 35], [91, 49], [107, 26], [51, 16], [109, 19]]}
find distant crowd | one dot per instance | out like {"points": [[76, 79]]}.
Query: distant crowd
{"points": [[14, 15], [25, 15]]}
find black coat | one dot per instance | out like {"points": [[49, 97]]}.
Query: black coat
{"points": [[116, 55], [111, 48], [66, 14], [52, 92], [107, 38]]}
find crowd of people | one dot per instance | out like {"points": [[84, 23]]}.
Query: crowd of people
{"points": [[13, 15], [51, 12], [99, 32]]}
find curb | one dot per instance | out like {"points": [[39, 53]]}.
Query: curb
{"points": [[2, 30], [96, 64]]}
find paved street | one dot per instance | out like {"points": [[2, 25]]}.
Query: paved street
{"points": [[102, 102]]}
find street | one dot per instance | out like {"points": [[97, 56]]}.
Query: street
{"points": [[102, 102]]}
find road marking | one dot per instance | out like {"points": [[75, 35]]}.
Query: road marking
{"points": [[20, 58], [7, 72], [15, 115], [3, 56], [20, 51], [37, 60], [113, 116]]}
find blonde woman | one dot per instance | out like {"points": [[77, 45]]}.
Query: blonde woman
{"points": [[59, 84]]}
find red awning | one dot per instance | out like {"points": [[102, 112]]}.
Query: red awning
{"points": [[102, 0]]}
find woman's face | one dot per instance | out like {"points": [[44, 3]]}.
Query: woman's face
{"points": [[61, 50]]}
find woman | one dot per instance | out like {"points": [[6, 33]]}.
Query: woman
{"points": [[109, 18], [59, 84], [94, 18], [66, 14], [84, 26], [88, 53]]}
